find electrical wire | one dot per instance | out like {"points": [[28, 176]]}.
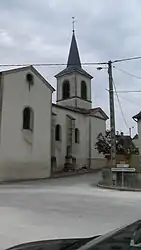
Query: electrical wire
{"points": [[127, 73], [50, 64], [127, 59], [120, 106], [131, 102], [64, 64], [125, 99], [129, 91]]}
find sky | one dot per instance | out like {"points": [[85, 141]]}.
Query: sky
{"points": [[33, 31]]}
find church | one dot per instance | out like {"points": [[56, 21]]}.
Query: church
{"points": [[38, 137]]}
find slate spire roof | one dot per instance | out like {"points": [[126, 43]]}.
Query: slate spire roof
{"points": [[73, 63], [73, 59]]}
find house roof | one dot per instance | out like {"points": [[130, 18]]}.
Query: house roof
{"points": [[98, 109], [30, 67], [73, 63], [137, 117], [73, 69], [90, 112], [125, 140]]}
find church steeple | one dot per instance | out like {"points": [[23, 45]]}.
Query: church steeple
{"points": [[73, 58], [74, 83]]}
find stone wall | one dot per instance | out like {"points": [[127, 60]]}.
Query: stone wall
{"points": [[131, 180], [134, 161]]}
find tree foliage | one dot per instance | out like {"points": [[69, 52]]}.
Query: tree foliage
{"points": [[124, 145]]}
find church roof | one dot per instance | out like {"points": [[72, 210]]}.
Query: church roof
{"points": [[73, 63], [73, 59], [90, 112], [30, 67]]}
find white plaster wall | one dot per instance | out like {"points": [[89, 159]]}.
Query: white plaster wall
{"points": [[79, 78], [75, 102], [87, 140], [97, 126], [75, 90], [80, 151], [19, 159], [68, 102], [71, 78], [83, 104]]}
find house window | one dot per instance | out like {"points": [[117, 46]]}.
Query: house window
{"points": [[83, 90], [66, 90], [58, 133], [77, 135], [28, 118]]}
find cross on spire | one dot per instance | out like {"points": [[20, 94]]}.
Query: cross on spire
{"points": [[73, 22]]}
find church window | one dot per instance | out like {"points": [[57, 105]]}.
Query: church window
{"points": [[77, 135], [66, 90], [83, 90], [28, 118], [58, 133]]}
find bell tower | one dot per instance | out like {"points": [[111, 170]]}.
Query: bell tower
{"points": [[74, 83]]}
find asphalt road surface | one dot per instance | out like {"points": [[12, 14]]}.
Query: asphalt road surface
{"points": [[63, 207]]}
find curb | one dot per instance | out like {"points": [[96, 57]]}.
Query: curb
{"points": [[70, 174], [119, 188]]}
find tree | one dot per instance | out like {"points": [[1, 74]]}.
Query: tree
{"points": [[124, 145]]}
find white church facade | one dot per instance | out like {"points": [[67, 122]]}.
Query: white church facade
{"points": [[37, 136]]}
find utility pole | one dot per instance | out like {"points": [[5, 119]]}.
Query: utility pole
{"points": [[112, 116]]}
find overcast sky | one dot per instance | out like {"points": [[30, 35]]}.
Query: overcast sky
{"points": [[38, 31]]}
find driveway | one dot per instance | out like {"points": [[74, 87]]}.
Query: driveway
{"points": [[62, 207]]}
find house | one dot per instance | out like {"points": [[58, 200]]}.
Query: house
{"points": [[38, 136], [137, 138]]}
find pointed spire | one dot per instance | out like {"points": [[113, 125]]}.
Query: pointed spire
{"points": [[74, 59]]}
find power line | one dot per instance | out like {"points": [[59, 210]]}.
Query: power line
{"points": [[127, 59], [64, 64], [131, 102], [120, 106], [50, 64], [127, 73], [129, 91]]}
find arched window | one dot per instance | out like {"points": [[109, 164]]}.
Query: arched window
{"points": [[58, 133], [66, 90], [28, 119], [83, 90], [77, 135]]}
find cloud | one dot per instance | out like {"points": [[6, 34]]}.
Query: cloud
{"points": [[40, 31]]}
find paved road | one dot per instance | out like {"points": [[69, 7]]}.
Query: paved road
{"points": [[65, 207]]}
